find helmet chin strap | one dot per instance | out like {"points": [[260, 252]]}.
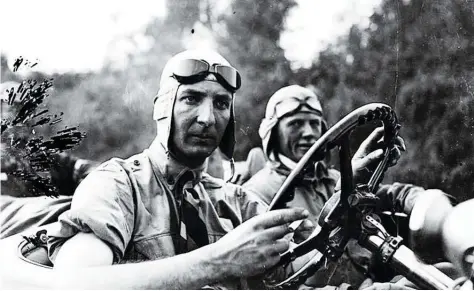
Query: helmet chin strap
{"points": [[232, 169]]}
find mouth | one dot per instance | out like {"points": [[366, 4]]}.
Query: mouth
{"points": [[203, 137], [304, 147]]}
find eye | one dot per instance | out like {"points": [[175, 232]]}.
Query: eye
{"points": [[296, 123], [190, 99], [222, 104], [314, 123]]}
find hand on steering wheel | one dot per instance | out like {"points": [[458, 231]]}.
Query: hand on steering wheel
{"points": [[370, 153]]}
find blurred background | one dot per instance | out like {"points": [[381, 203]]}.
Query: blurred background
{"points": [[105, 59]]}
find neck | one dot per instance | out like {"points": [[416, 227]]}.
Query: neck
{"points": [[170, 166], [191, 162]]}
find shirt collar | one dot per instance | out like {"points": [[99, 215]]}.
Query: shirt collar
{"points": [[287, 162], [169, 167], [286, 165]]}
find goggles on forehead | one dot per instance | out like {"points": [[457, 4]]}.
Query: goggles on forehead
{"points": [[191, 71], [292, 104]]}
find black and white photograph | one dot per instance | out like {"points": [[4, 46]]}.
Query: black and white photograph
{"points": [[237, 144]]}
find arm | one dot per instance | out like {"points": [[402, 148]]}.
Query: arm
{"points": [[95, 233], [84, 262], [398, 197]]}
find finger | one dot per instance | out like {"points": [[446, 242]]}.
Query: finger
{"points": [[281, 246], [281, 216], [370, 142], [278, 232], [401, 142], [369, 159], [395, 155], [374, 136], [300, 226], [405, 284], [392, 163]]}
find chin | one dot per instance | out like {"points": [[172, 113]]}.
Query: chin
{"points": [[202, 153], [297, 156]]}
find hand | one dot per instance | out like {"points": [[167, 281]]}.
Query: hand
{"points": [[370, 153], [397, 283], [255, 246], [387, 286]]}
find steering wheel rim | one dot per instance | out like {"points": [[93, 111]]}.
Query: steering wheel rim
{"points": [[336, 135]]}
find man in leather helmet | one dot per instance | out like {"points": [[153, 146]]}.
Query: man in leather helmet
{"points": [[182, 228], [292, 124]]}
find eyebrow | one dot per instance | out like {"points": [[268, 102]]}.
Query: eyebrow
{"points": [[201, 93], [193, 92], [227, 97]]}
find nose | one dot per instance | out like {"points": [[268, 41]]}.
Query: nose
{"points": [[206, 116], [307, 131]]}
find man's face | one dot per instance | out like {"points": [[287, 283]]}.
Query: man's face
{"points": [[297, 133], [200, 116]]}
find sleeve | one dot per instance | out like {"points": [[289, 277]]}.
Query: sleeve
{"points": [[398, 197], [264, 185], [103, 205]]}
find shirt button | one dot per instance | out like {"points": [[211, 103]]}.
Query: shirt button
{"points": [[136, 163]]}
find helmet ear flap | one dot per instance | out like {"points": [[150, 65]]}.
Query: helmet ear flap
{"points": [[228, 140], [324, 127]]}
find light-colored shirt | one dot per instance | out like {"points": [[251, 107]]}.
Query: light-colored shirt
{"points": [[311, 192], [131, 205]]}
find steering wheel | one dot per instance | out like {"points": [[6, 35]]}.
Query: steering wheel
{"points": [[342, 214]]}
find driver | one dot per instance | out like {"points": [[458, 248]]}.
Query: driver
{"points": [[292, 124], [183, 228]]}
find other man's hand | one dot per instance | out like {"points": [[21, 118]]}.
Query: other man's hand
{"points": [[370, 153]]}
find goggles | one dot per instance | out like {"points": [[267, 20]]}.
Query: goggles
{"points": [[292, 104], [191, 71]]}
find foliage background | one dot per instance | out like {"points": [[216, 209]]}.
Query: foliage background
{"points": [[417, 56]]}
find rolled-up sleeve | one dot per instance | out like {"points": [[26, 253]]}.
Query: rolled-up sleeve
{"points": [[398, 197], [103, 205]]}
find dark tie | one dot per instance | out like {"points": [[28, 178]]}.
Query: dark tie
{"points": [[193, 231]]}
